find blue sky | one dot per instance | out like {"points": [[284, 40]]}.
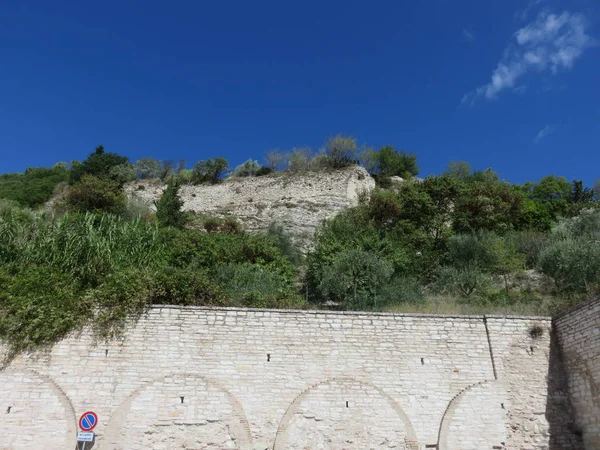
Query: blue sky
{"points": [[511, 85]]}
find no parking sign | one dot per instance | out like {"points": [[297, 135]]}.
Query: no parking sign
{"points": [[87, 422]]}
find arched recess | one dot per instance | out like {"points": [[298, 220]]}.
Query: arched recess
{"points": [[34, 410], [179, 410], [320, 414], [474, 419]]}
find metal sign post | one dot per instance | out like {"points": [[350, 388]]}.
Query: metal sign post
{"points": [[87, 422]]}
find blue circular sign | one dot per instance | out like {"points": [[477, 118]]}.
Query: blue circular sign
{"points": [[88, 421]]}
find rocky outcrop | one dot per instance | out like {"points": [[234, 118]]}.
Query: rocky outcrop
{"points": [[299, 202]]}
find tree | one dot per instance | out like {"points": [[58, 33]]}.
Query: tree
{"points": [[209, 171], [341, 151], [549, 188], [458, 169], [168, 207], [581, 194], [122, 173], [274, 159], [93, 194], [247, 169], [488, 204], [368, 159], [356, 274], [299, 159], [148, 168], [97, 164], [166, 169], [465, 280], [504, 258], [391, 163]]}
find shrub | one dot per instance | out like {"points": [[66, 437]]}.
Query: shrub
{"points": [[176, 286], [341, 151], [247, 169], [463, 281], [264, 170], [93, 194], [299, 159], [98, 164], [284, 242], [400, 289], [209, 171], [148, 168], [574, 264], [221, 225], [257, 287], [529, 243], [38, 306], [34, 187], [122, 173], [353, 276]]}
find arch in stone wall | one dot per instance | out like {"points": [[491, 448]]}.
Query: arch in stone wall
{"points": [[34, 410], [363, 413], [179, 410], [474, 419]]}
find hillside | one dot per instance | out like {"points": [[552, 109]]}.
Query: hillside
{"points": [[99, 241], [299, 202]]}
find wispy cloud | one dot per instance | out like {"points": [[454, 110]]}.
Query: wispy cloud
{"points": [[468, 35], [550, 43], [543, 133], [524, 13]]}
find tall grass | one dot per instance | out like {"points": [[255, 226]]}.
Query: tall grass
{"points": [[87, 246]]}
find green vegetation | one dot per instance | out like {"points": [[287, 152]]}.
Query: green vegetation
{"points": [[461, 242], [60, 273], [168, 208], [34, 187]]}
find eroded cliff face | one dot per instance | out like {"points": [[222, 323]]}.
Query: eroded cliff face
{"points": [[299, 202]]}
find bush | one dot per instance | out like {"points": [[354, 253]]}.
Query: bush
{"points": [[98, 164], [388, 162], [93, 194], [284, 242], [299, 160], [247, 169], [256, 287], [529, 243], [264, 170], [176, 286], [221, 225], [34, 187], [123, 173], [353, 277], [572, 255], [463, 281], [209, 171], [341, 151], [38, 306], [574, 264], [400, 290]]}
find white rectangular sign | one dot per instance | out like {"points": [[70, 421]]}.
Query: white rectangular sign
{"points": [[85, 436]]}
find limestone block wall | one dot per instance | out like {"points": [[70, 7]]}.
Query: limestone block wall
{"points": [[579, 333], [202, 378]]}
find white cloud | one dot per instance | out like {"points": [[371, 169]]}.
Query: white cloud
{"points": [[543, 133], [468, 35], [525, 12], [550, 43]]}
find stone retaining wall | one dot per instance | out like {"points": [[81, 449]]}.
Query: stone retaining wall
{"points": [[202, 378]]}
